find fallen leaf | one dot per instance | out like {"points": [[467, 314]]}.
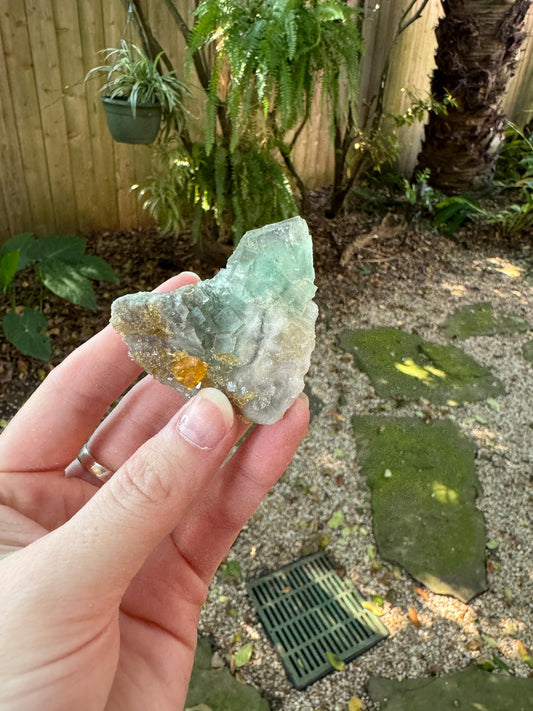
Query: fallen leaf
{"points": [[423, 593], [336, 520], [335, 661], [414, 617], [494, 404], [373, 608], [243, 655], [524, 654], [355, 704], [490, 641]]}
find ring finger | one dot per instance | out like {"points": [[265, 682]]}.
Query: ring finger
{"points": [[139, 416]]}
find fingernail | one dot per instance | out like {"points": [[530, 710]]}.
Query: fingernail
{"points": [[303, 396], [206, 419]]}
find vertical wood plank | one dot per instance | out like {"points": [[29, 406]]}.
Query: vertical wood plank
{"points": [[14, 208], [100, 142], [45, 57], [114, 24], [72, 73], [26, 109]]}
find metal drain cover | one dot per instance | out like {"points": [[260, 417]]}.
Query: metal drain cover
{"points": [[308, 611]]}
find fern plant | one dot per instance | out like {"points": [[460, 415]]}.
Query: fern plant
{"points": [[271, 53], [259, 63], [235, 189]]}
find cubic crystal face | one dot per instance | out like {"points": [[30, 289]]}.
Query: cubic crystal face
{"points": [[248, 331]]}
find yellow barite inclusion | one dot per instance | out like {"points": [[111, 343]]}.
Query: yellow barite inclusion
{"points": [[189, 371]]}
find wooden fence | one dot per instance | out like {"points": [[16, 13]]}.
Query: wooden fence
{"points": [[59, 169]]}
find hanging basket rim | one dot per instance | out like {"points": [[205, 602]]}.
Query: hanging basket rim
{"points": [[123, 100]]}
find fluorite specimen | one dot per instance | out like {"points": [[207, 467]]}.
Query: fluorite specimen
{"points": [[249, 331]]}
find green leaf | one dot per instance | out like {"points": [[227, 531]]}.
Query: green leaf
{"points": [[492, 544], [231, 569], [27, 332], [493, 403], [66, 281], [8, 268], [243, 655], [336, 520], [21, 243], [64, 248], [335, 661], [96, 268]]}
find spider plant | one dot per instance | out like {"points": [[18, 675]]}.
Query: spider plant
{"points": [[132, 76]]}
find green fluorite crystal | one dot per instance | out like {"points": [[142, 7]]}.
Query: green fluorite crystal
{"points": [[249, 331]]}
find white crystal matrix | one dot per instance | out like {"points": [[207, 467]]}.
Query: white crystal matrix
{"points": [[249, 331]]}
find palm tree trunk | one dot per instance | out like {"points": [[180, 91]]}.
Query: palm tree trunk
{"points": [[478, 42]]}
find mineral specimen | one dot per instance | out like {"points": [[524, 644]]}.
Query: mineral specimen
{"points": [[249, 331]]}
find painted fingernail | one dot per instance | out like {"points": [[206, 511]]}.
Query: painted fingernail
{"points": [[206, 419]]}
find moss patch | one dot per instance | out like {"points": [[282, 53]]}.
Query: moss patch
{"points": [[479, 320], [471, 688], [217, 689], [424, 484], [527, 351], [404, 366]]}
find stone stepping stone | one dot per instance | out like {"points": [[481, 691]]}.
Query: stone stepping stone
{"points": [[479, 320], [217, 689], [471, 688], [403, 366], [423, 484]]}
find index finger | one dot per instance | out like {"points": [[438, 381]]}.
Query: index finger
{"points": [[51, 427]]}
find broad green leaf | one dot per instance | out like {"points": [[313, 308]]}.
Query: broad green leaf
{"points": [[64, 248], [66, 281], [335, 661], [96, 268], [8, 268], [27, 332], [244, 654], [22, 243]]}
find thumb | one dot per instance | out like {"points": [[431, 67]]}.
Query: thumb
{"points": [[112, 535]]}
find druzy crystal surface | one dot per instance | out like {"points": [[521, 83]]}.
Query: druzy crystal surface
{"points": [[248, 331]]}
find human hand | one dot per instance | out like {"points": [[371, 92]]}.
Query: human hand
{"points": [[101, 589]]}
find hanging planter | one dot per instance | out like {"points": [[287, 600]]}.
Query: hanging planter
{"points": [[125, 127], [137, 96]]}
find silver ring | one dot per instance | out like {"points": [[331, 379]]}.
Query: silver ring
{"points": [[91, 466]]}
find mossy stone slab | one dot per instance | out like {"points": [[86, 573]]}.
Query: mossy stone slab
{"points": [[217, 688], [471, 689], [423, 482], [479, 320], [403, 366], [527, 351]]}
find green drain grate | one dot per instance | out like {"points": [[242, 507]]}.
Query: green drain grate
{"points": [[308, 611]]}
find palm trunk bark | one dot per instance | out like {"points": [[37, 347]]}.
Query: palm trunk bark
{"points": [[478, 43]]}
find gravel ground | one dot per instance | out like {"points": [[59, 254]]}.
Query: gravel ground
{"points": [[324, 478]]}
